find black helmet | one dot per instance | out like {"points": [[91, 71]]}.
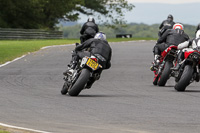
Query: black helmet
{"points": [[170, 17], [91, 19], [198, 25]]}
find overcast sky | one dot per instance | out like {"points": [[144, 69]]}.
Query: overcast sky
{"points": [[163, 1], [155, 11], [151, 13]]}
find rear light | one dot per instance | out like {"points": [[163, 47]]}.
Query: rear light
{"points": [[94, 59]]}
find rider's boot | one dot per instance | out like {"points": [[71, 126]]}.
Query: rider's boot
{"points": [[196, 77], [93, 79], [72, 64], [90, 83], [155, 63], [176, 68], [70, 69], [179, 60]]}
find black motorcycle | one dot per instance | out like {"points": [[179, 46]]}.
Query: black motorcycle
{"points": [[86, 70]]}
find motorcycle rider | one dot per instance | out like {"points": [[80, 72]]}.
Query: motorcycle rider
{"points": [[89, 29], [93, 46], [173, 36], [166, 24], [198, 28], [189, 45]]}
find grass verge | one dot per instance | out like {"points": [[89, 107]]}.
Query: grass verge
{"points": [[10, 49], [1, 131]]}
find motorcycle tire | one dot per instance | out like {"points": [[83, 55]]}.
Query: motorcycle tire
{"points": [[80, 83], [185, 78], [155, 80], [165, 74], [64, 89]]}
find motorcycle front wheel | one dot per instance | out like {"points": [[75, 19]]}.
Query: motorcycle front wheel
{"points": [[155, 80], [64, 88], [80, 83]]}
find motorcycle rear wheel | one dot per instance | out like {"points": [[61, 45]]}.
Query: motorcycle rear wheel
{"points": [[185, 78], [80, 83]]}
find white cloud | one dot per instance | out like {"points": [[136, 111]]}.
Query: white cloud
{"points": [[164, 1]]}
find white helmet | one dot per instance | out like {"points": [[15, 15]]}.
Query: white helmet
{"points": [[198, 34], [91, 19], [100, 35], [178, 26]]}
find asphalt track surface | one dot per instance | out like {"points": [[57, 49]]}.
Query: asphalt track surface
{"points": [[124, 100]]}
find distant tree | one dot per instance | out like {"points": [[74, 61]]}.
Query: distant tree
{"points": [[112, 11], [17, 14], [46, 13]]}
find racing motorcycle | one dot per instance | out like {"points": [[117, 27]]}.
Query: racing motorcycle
{"points": [[189, 70], [163, 71], [88, 68]]}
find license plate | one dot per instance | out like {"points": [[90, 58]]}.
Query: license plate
{"points": [[92, 64]]}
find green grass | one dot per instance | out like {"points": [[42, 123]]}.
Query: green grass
{"points": [[4, 131], [11, 49]]}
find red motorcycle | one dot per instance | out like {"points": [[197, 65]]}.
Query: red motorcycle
{"points": [[189, 70], [167, 61]]}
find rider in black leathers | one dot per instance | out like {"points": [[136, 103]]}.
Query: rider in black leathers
{"points": [[166, 24], [88, 30], [173, 36], [189, 45], [93, 46], [198, 28]]}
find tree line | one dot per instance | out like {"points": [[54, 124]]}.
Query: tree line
{"points": [[137, 30], [45, 14]]}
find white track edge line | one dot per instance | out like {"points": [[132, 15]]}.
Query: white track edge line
{"points": [[22, 128], [12, 61]]}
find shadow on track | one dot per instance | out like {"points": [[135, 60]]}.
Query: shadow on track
{"points": [[192, 91], [103, 96]]}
